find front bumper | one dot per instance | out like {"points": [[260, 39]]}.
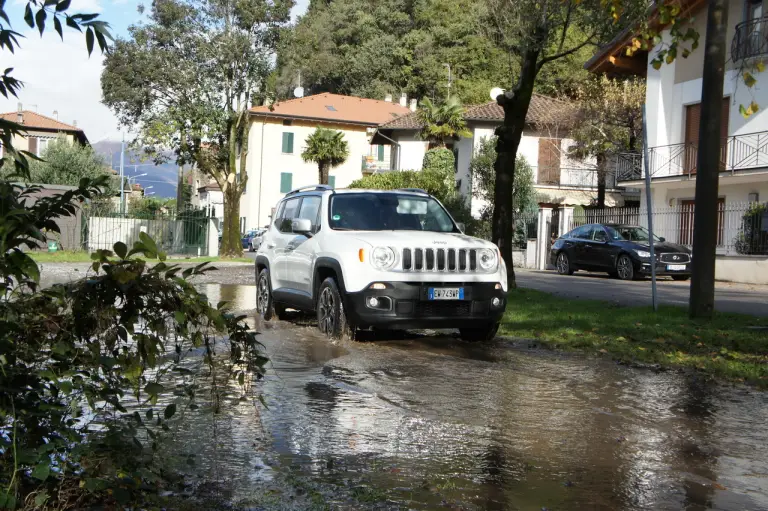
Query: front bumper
{"points": [[406, 305], [662, 269]]}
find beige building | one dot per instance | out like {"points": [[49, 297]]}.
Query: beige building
{"points": [[40, 130], [277, 138]]}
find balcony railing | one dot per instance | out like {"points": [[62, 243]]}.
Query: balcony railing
{"points": [[751, 39], [737, 153]]}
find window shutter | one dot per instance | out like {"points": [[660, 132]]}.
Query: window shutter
{"points": [[332, 181], [286, 182], [381, 152], [288, 142], [33, 145], [549, 161]]}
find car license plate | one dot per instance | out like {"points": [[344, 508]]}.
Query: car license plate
{"points": [[446, 293], [675, 267]]}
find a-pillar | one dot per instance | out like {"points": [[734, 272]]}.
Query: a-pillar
{"points": [[542, 237], [566, 219]]}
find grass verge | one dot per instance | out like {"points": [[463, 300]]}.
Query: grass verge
{"points": [[66, 256], [726, 346]]}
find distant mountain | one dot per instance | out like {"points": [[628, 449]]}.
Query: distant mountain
{"points": [[162, 178]]}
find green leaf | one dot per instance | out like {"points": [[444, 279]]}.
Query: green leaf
{"points": [[153, 389], [89, 41], [28, 16], [71, 23], [121, 249], [263, 401], [180, 317], [40, 19], [57, 27], [41, 471], [170, 410], [148, 242], [7, 501], [149, 414], [656, 64], [63, 5], [41, 498]]}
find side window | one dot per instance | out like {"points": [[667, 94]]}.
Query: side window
{"points": [[290, 211], [310, 206], [598, 234], [583, 233], [278, 214]]}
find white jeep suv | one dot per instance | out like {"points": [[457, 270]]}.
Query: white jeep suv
{"points": [[390, 259]]}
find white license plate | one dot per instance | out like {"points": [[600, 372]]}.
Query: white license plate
{"points": [[675, 267], [446, 293]]}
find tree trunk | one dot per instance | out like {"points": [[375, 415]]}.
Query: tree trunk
{"points": [[231, 244], [601, 172], [509, 134], [702, 298], [323, 171]]}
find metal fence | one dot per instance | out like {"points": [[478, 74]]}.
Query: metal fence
{"points": [[526, 225], [742, 227]]}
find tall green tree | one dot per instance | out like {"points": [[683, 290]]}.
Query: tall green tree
{"points": [[442, 122], [328, 149], [186, 78]]}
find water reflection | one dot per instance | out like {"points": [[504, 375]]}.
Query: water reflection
{"points": [[429, 421]]}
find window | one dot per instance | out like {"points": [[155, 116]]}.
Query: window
{"points": [[332, 181], [286, 182], [287, 142], [287, 122], [754, 9], [310, 207], [598, 234], [277, 216], [381, 152], [330, 108], [289, 213], [388, 212], [582, 233]]}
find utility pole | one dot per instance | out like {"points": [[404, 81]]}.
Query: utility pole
{"points": [[122, 170], [705, 216]]}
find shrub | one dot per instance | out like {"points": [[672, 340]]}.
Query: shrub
{"points": [[753, 236]]}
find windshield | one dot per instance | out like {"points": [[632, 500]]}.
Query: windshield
{"points": [[637, 234], [388, 212]]}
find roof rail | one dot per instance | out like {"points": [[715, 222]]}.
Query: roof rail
{"points": [[309, 188], [416, 190]]}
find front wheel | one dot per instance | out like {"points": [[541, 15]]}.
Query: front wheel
{"points": [[485, 333], [331, 317], [680, 277], [564, 264], [624, 268]]}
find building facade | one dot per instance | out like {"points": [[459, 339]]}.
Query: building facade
{"points": [[277, 138], [40, 130]]}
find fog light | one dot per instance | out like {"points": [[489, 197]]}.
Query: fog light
{"points": [[495, 302], [498, 286], [378, 285], [373, 302]]}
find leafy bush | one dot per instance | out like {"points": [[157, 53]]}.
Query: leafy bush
{"points": [[440, 160], [753, 236], [95, 373]]}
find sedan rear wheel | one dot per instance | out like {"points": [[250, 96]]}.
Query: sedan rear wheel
{"points": [[624, 268], [564, 264]]}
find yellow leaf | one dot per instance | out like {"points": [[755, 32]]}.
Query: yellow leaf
{"points": [[749, 80], [641, 348], [760, 66], [636, 42], [754, 107]]}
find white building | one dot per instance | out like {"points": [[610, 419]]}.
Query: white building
{"points": [[673, 100], [210, 196], [559, 179], [277, 138]]}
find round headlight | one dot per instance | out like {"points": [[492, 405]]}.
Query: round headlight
{"points": [[487, 259], [383, 257]]}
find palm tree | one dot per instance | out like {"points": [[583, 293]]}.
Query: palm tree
{"points": [[442, 122], [328, 149]]}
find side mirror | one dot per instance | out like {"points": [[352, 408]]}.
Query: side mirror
{"points": [[461, 226], [302, 226], [662, 240]]}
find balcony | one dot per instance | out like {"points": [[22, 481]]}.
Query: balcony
{"points": [[738, 153], [751, 39]]}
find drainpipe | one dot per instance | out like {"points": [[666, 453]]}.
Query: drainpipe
{"points": [[261, 172], [394, 142]]}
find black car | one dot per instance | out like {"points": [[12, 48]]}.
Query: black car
{"points": [[621, 250]]}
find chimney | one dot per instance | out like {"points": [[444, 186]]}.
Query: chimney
{"points": [[74, 123], [414, 104], [56, 114], [388, 98], [20, 115], [403, 99]]}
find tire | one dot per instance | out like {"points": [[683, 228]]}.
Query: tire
{"points": [[485, 333], [680, 278], [564, 264], [625, 268], [331, 317], [265, 306]]}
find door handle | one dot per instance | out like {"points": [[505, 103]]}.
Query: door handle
{"points": [[270, 245]]}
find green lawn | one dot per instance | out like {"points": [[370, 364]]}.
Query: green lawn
{"points": [[64, 256], [725, 346]]}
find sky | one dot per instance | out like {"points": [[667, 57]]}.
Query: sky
{"points": [[59, 76]]}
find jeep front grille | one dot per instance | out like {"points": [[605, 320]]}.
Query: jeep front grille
{"points": [[439, 259]]}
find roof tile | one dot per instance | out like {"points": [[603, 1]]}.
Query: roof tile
{"points": [[35, 120]]}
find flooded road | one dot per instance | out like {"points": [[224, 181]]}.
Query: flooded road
{"points": [[428, 421]]}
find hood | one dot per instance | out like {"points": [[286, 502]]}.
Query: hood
{"points": [[411, 239], [661, 247]]}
